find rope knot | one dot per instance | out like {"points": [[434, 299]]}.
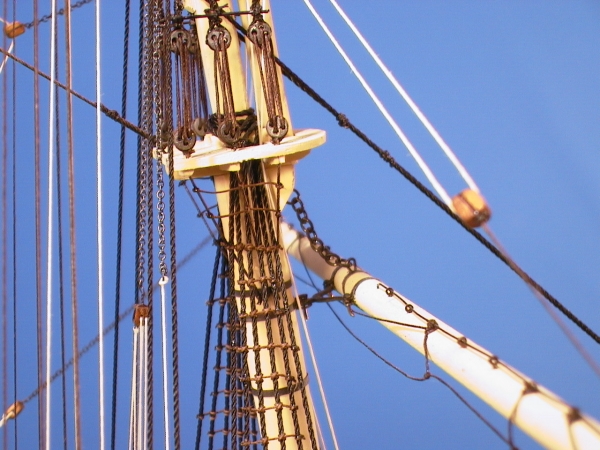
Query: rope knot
{"points": [[343, 120]]}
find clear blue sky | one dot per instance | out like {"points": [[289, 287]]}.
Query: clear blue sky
{"points": [[514, 88]]}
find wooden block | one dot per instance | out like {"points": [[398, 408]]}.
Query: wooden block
{"points": [[14, 29], [471, 208]]}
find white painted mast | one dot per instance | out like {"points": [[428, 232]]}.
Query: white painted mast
{"points": [[538, 412]]}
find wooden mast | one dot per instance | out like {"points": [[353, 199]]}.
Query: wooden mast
{"points": [[244, 179]]}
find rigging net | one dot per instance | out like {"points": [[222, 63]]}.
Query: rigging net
{"points": [[263, 385]]}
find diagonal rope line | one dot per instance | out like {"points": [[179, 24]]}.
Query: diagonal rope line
{"points": [[110, 113], [344, 122], [413, 106], [92, 343], [389, 159], [413, 151]]}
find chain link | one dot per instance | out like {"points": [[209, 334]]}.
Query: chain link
{"points": [[158, 53], [331, 258], [60, 12]]}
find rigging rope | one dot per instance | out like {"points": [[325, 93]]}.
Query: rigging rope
{"points": [[145, 243], [100, 232], [110, 113], [413, 151], [264, 373], [60, 12], [163, 312], [314, 360], [10, 49], [413, 106], [207, 330], [344, 122], [120, 225], [14, 230], [566, 331], [425, 377], [301, 313], [460, 168], [4, 234], [92, 343], [61, 277], [38, 227], [72, 232], [172, 242], [50, 230], [133, 418]]}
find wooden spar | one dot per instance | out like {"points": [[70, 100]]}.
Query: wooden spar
{"points": [[537, 411]]}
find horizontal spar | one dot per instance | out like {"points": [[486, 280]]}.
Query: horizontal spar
{"points": [[534, 409]]}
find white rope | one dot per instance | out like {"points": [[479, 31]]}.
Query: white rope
{"points": [[273, 201], [50, 257], [311, 350], [421, 163], [413, 106], [143, 385], [134, 393], [99, 230], [10, 49], [321, 437], [163, 281]]}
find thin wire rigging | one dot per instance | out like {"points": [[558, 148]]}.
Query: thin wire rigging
{"points": [[72, 230], [38, 226], [413, 106], [99, 230], [413, 151], [311, 350], [5, 103], [344, 122], [50, 229], [163, 314]]}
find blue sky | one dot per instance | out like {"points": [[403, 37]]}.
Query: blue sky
{"points": [[513, 87]]}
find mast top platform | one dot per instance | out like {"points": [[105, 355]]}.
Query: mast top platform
{"points": [[211, 157]]}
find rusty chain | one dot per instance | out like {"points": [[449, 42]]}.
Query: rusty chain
{"points": [[60, 12], [331, 258]]}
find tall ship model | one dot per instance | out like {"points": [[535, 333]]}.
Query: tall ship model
{"points": [[218, 217]]}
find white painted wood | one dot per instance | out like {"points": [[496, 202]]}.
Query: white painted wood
{"points": [[542, 415]]}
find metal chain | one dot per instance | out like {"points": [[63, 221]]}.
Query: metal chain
{"points": [[331, 258], [157, 53], [60, 12]]}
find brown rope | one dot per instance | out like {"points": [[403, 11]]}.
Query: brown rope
{"points": [[4, 235], [110, 113], [38, 225], [72, 229]]}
